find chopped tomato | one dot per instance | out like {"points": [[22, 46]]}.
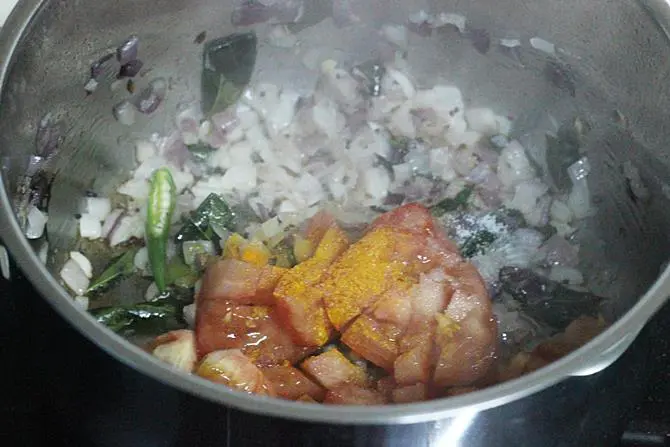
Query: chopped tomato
{"points": [[385, 386], [408, 394], [299, 302], [253, 329], [307, 399], [467, 355], [233, 369], [176, 348], [241, 282], [413, 217], [363, 273], [374, 341], [290, 383], [332, 369], [394, 306], [413, 365], [354, 395], [317, 226]]}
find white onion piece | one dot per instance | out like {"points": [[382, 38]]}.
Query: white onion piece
{"points": [[403, 82], [136, 188], [90, 227], [110, 222], [74, 277], [486, 122], [189, 313], [152, 292], [376, 182], [281, 37], [98, 207], [579, 170], [141, 259], [566, 275], [560, 212], [43, 253], [579, 199], [125, 113], [4, 263], [514, 166], [191, 249], [82, 302], [37, 221], [144, 150], [240, 178], [456, 20], [396, 34], [441, 164], [542, 45], [127, 228], [83, 262], [558, 251]]}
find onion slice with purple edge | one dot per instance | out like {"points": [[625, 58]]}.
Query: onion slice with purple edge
{"points": [[148, 100], [128, 50]]}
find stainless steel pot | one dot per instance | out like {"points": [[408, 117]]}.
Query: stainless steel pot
{"points": [[613, 67]]}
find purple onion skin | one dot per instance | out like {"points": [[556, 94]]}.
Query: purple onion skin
{"points": [[128, 50], [131, 69], [98, 67], [149, 99]]}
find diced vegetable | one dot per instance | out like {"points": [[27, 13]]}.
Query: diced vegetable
{"points": [[374, 341], [122, 266], [162, 200], [235, 370], [354, 395], [408, 394], [195, 249], [176, 348], [290, 383], [332, 369], [477, 243], [240, 282]]}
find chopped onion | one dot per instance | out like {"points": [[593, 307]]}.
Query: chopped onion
{"points": [[125, 113], [4, 263], [148, 100], [110, 222], [558, 251], [135, 188], [90, 226], [192, 249], [396, 34], [566, 275], [37, 221], [44, 252], [281, 37], [376, 182], [579, 199], [514, 166], [126, 228], [542, 45], [98, 207], [456, 20], [486, 122], [189, 313], [83, 262], [128, 50], [82, 302], [241, 178], [152, 293], [560, 212], [144, 150], [91, 86], [579, 170], [74, 277], [141, 259]]}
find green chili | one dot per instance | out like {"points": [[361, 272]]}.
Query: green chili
{"points": [[162, 199]]}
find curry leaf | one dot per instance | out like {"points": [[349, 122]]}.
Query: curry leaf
{"points": [[122, 266], [228, 64], [166, 312], [449, 205], [212, 212]]}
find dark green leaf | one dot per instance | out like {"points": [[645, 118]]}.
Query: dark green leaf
{"points": [[228, 64], [122, 266], [213, 211], [477, 243], [450, 205], [168, 312]]}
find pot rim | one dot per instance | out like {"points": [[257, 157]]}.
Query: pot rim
{"points": [[466, 405]]}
